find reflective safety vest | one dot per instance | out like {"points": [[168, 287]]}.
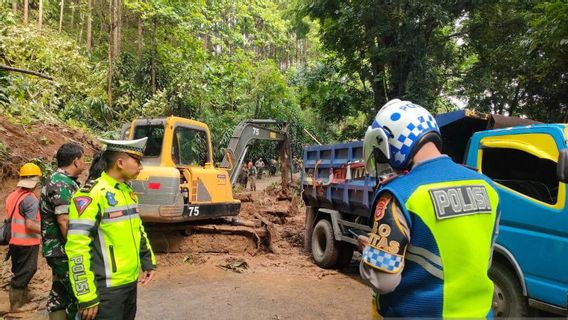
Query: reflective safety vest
{"points": [[106, 242], [21, 236], [452, 215]]}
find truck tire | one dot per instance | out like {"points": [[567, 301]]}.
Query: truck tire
{"points": [[309, 222], [325, 250], [508, 300]]}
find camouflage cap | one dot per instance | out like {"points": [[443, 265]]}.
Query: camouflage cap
{"points": [[132, 147]]}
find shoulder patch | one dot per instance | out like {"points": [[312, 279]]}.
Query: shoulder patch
{"points": [[89, 186], [82, 203], [382, 206], [382, 260], [111, 199]]}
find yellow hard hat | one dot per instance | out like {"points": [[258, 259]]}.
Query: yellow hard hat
{"points": [[30, 169]]}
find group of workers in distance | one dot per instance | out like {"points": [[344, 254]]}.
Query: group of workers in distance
{"points": [[425, 256], [91, 236]]}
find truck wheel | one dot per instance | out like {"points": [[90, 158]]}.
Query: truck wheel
{"points": [[309, 222], [325, 249], [508, 300]]}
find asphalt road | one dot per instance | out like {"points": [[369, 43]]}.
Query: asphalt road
{"points": [[211, 293]]}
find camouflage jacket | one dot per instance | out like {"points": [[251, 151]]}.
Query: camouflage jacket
{"points": [[55, 198]]}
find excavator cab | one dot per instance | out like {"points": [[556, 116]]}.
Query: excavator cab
{"points": [[179, 182]]}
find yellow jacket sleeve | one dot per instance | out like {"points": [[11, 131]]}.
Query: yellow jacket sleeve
{"points": [[83, 219], [147, 256]]}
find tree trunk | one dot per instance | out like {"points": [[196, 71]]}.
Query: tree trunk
{"points": [[26, 11], [15, 7], [154, 49], [62, 5], [73, 5], [89, 25], [40, 15], [285, 165], [110, 46], [140, 38], [118, 27], [81, 23]]}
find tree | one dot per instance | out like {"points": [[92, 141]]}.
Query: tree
{"points": [[516, 59], [117, 22], [111, 25], [89, 25], [61, 10], [40, 15], [26, 11], [399, 48], [139, 37]]}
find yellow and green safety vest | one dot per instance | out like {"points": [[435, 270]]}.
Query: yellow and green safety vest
{"points": [[452, 215], [106, 242]]}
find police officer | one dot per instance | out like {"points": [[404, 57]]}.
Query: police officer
{"points": [[22, 207], [54, 209], [106, 243], [430, 246]]}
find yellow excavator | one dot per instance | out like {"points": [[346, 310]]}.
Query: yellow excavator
{"points": [[180, 184]]}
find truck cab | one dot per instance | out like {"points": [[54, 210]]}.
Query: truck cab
{"points": [[530, 260]]}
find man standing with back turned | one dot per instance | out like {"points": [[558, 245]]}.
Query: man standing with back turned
{"points": [[54, 209], [106, 243], [22, 206], [434, 228]]}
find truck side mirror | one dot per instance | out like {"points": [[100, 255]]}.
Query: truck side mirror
{"points": [[562, 166]]}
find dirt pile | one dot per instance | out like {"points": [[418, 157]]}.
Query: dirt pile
{"points": [[283, 219], [19, 144], [39, 141]]}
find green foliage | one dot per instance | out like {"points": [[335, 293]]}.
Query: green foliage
{"points": [[519, 65], [225, 63], [76, 81], [3, 151], [397, 48], [334, 96], [322, 66]]}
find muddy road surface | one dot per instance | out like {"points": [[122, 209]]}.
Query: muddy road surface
{"points": [[208, 292]]}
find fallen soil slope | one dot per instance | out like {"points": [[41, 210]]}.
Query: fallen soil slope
{"points": [[40, 141]]}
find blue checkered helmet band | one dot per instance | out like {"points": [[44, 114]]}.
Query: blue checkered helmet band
{"points": [[402, 145], [405, 123]]}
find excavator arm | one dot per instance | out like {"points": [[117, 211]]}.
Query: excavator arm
{"points": [[247, 133]]}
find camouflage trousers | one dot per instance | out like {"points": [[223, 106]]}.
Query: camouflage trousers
{"points": [[61, 296]]}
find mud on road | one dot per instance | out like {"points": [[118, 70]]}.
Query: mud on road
{"points": [[228, 276]]}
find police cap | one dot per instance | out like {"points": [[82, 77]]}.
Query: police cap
{"points": [[134, 148]]}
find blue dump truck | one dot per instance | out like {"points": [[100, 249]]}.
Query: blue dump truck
{"points": [[528, 163]]}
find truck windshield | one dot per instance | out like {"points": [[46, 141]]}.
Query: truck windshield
{"points": [[155, 134], [522, 172], [190, 147]]}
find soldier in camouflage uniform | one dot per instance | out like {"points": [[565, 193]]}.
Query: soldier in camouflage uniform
{"points": [[54, 210]]}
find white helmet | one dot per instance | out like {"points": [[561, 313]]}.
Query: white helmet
{"points": [[398, 131]]}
